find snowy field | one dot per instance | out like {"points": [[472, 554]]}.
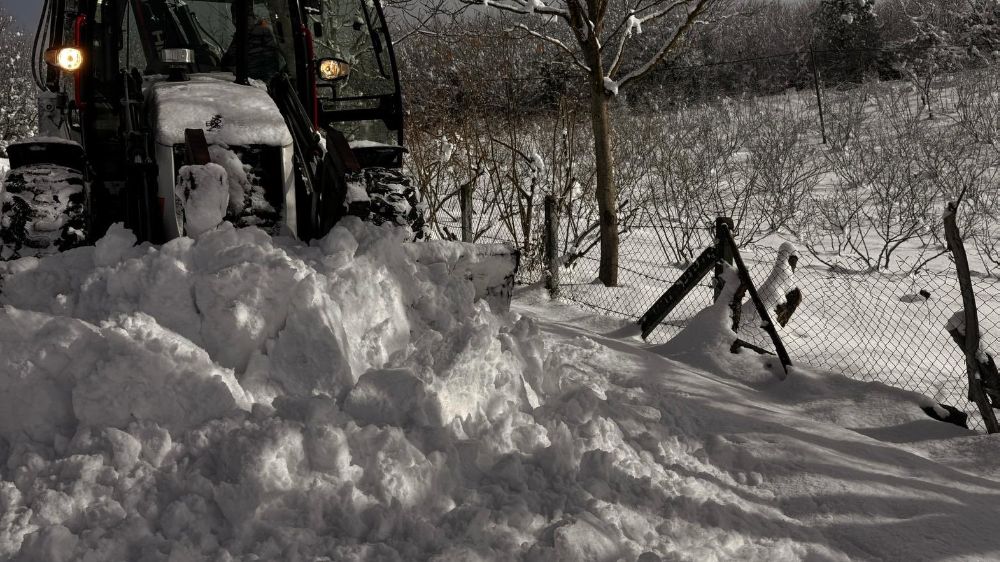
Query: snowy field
{"points": [[246, 398]]}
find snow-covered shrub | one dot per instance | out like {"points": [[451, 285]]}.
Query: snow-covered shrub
{"points": [[17, 89], [927, 55]]}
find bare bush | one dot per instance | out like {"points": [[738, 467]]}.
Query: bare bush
{"points": [[782, 166], [848, 112], [881, 199], [691, 179]]}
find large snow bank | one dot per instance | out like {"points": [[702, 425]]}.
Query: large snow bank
{"points": [[243, 394], [238, 397]]}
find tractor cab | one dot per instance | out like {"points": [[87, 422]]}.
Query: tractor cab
{"points": [[337, 53], [294, 95]]}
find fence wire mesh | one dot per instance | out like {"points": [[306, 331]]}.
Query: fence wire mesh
{"points": [[873, 326], [879, 326]]}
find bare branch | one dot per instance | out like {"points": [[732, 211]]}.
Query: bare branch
{"points": [[523, 7], [667, 47], [572, 55]]}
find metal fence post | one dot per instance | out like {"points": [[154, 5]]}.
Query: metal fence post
{"points": [[465, 202], [819, 94], [552, 245]]}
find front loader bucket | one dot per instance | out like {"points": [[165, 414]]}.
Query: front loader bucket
{"points": [[490, 267]]}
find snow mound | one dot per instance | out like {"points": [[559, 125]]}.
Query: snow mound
{"points": [[56, 373]]}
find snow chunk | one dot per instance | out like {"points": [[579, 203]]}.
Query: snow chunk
{"points": [[59, 372], [149, 373], [203, 192], [610, 86], [633, 25], [236, 176]]}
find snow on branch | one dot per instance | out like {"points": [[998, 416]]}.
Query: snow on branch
{"points": [[645, 68], [633, 24], [522, 7]]}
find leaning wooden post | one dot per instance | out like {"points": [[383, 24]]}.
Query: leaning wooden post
{"points": [[976, 392], [465, 201], [552, 245], [765, 316]]}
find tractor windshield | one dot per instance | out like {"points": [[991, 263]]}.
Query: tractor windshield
{"points": [[208, 28], [354, 31]]}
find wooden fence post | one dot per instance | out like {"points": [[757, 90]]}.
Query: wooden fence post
{"points": [[552, 245], [723, 225], [977, 393], [465, 202]]}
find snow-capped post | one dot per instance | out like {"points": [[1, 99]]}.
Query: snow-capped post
{"points": [[970, 319], [465, 202], [747, 283], [552, 245], [723, 253]]}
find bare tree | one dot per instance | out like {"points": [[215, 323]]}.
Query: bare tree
{"points": [[613, 44]]}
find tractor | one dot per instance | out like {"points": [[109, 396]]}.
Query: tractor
{"points": [[293, 105]]}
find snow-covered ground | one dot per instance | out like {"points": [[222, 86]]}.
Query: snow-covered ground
{"points": [[246, 398]]}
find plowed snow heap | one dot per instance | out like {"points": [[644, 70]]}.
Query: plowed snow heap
{"points": [[238, 394]]}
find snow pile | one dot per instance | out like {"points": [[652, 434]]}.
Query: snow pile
{"points": [[240, 394], [238, 397], [707, 339]]}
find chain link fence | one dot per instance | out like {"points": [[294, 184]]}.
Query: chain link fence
{"points": [[880, 326], [873, 326]]}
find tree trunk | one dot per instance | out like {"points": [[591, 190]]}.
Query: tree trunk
{"points": [[607, 191]]}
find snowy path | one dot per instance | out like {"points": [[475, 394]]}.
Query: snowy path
{"points": [[773, 469]]}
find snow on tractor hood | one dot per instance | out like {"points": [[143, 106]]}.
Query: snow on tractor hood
{"points": [[231, 114]]}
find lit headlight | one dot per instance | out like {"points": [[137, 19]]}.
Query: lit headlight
{"points": [[333, 69], [69, 59]]}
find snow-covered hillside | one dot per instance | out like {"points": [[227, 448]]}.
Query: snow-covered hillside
{"points": [[240, 397]]}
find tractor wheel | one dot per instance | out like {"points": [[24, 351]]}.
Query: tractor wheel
{"points": [[395, 200], [44, 211]]}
